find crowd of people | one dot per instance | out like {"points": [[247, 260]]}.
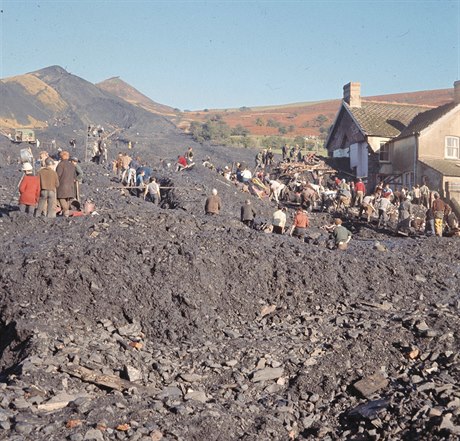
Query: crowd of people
{"points": [[340, 236], [55, 190], [137, 177], [416, 211]]}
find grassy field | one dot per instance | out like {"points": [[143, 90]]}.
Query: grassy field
{"points": [[265, 108]]}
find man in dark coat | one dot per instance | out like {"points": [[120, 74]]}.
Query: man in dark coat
{"points": [[248, 214], [67, 176]]}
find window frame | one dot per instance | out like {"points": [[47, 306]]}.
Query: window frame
{"points": [[387, 151], [452, 147]]}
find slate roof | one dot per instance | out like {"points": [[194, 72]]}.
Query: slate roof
{"points": [[387, 120], [447, 167], [425, 119]]}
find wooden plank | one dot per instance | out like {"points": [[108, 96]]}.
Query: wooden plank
{"points": [[94, 377]]}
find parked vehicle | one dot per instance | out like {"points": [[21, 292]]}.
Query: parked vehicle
{"points": [[24, 135]]}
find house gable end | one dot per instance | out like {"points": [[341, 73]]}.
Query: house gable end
{"points": [[452, 113], [335, 125], [346, 131]]}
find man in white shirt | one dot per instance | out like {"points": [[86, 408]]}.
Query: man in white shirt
{"points": [[279, 220], [384, 204]]}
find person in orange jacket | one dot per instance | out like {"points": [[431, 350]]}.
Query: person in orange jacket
{"points": [[301, 223]]}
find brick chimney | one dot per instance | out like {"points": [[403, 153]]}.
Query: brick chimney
{"points": [[457, 92], [352, 94]]}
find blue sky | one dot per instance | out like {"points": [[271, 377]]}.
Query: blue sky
{"points": [[213, 54]]}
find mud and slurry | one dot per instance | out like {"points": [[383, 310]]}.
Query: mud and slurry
{"points": [[148, 323]]}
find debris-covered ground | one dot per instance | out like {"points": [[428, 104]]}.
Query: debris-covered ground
{"points": [[148, 323]]}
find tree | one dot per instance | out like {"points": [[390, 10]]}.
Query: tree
{"points": [[274, 142], [310, 144], [216, 131], [196, 130], [239, 130], [259, 122], [324, 132], [247, 142], [321, 119], [273, 123], [282, 129], [213, 131], [216, 117], [299, 140]]}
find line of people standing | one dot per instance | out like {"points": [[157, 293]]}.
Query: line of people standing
{"points": [[53, 188]]}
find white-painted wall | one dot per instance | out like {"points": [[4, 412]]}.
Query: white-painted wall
{"points": [[359, 158], [375, 142], [341, 153]]}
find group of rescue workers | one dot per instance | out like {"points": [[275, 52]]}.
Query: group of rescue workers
{"points": [[55, 189], [339, 197]]}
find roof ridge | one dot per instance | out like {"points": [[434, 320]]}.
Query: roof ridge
{"points": [[425, 106]]}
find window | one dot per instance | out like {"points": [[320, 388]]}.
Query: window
{"points": [[384, 155], [408, 179], [452, 147]]}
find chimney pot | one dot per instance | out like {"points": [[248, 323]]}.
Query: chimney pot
{"points": [[352, 94], [457, 92]]}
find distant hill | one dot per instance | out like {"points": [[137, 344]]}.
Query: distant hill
{"points": [[123, 90], [28, 101], [60, 106], [54, 98], [302, 119]]}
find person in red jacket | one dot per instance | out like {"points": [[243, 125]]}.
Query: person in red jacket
{"points": [[29, 190], [181, 163], [360, 191]]}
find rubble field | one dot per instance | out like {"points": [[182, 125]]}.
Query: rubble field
{"points": [[160, 323]]}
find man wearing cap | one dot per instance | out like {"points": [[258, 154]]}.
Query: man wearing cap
{"points": [[29, 190], [49, 182], [66, 190]]}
